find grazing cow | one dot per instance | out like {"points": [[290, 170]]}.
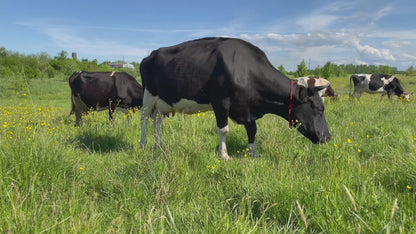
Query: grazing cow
{"points": [[232, 77], [377, 83], [311, 81], [104, 90]]}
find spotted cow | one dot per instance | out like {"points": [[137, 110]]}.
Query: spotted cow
{"points": [[377, 83], [234, 79]]}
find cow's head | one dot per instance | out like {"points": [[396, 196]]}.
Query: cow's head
{"points": [[405, 96], [308, 114]]}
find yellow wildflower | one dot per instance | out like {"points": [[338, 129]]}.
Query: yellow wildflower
{"points": [[349, 140]]}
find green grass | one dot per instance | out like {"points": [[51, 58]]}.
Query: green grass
{"points": [[55, 177]]}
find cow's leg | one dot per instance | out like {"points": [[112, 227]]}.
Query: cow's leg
{"points": [[147, 109], [251, 129], [222, 148], [78, 108], [221, 115], [158, 125], [111, 109], [78, 117], [390, 95]]}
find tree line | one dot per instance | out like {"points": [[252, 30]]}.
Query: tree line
{"points": [[14, 64], [17, 65], [334, 70]]}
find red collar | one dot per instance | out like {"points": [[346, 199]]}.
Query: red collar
{"points": [[291, 104]]}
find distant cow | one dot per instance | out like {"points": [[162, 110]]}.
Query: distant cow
{"points": [[232, 77], [312, 81], [103, 90], [377, 83]]}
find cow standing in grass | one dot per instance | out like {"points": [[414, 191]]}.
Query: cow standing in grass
{"points": [[233, 78], [377, 83], [104, 90]]}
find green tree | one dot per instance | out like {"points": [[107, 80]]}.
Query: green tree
{"points": [[302, 69], [410, 71], [385, 69], [3, 52], [282, 70], [327, 70], [62, 55]]}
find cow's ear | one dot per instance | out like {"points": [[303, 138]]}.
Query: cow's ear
{"points": [[301, 93], [313, 90]]}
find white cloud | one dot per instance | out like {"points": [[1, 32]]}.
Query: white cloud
{"points": [[372, 53]]}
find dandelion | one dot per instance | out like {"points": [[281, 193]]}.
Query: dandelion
{"points": [[359, 150], [351, 123], [349, 141], [408, 187], [368, 136], [335, 144], [81, 168], [355, 145], [219, 161], [4, 125]]}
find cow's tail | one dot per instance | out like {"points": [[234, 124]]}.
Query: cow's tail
{"points": [[350, 85]]}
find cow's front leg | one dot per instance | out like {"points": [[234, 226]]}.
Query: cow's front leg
{"points": [[222, 148], [251, 129]]}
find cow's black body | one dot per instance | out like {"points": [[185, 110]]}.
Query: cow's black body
{"points": [[377, 83], [104, 90], [233, 77]]}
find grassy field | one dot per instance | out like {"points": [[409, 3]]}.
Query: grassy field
{"points": [[57, 178]]}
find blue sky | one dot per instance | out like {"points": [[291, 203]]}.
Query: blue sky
{"points": [[342, 32]]}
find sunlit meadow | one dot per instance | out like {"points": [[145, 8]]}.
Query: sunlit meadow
{"points": [[95, 178]]}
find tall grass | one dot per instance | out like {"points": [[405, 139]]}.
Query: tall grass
{"points": [[58, 178]]}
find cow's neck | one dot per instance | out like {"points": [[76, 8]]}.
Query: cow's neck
{"points": [[275, 99]]}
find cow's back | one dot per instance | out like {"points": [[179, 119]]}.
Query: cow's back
{"points": [[180, 71]]}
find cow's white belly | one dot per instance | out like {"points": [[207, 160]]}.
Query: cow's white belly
{"points": [[182, 106]]}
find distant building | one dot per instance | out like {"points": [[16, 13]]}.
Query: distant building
{"points": [[120, 65]]}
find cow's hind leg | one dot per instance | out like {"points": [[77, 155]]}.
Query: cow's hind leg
{"points": [[111, 109], [158, 125], [78, 107], [149, 102], [251, 129]]}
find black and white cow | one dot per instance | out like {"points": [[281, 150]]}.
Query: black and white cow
{"points": [[234, 79], [104, 90], [377, 83], [311, 81]]}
